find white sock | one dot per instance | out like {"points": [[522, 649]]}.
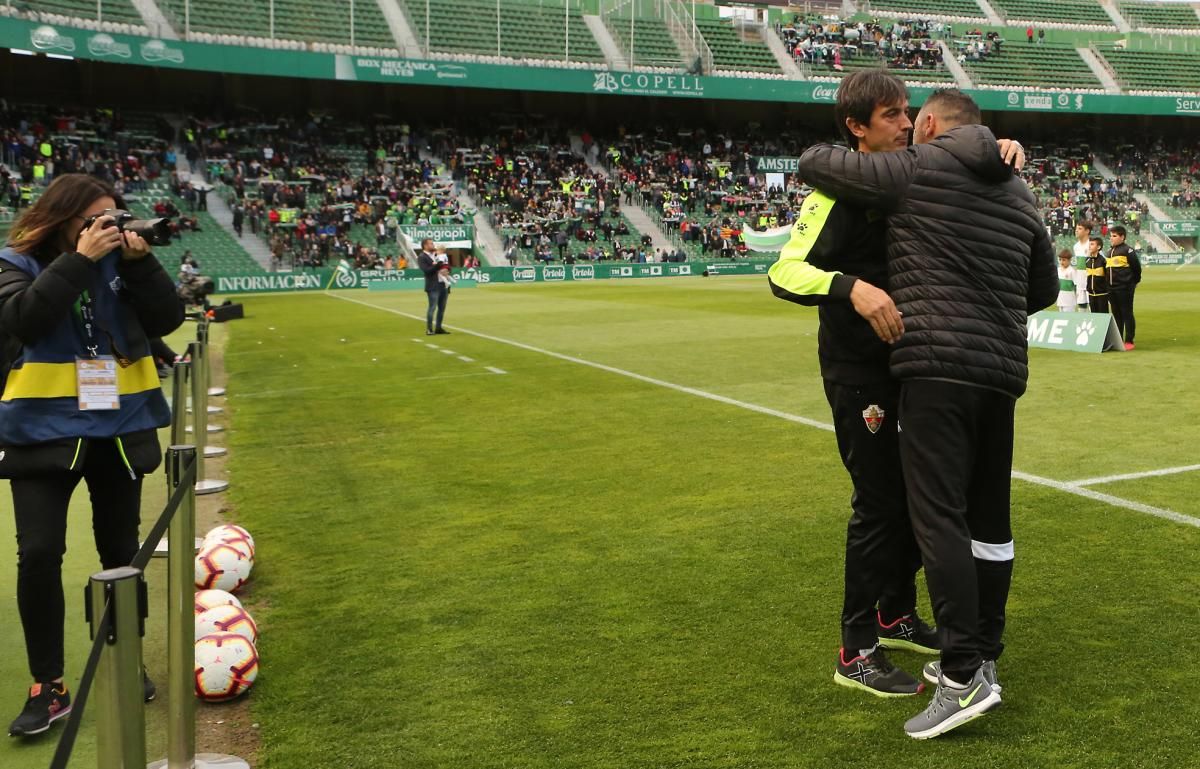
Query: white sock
{"points": [[867, 652]]}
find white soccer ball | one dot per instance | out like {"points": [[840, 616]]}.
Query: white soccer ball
{"points": [[223, 567], [227, 619], [226, 666], [210, 599], [229, 534]]}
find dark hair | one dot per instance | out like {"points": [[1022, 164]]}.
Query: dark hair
{"points": [[1118, 230], [424, 241], [36, 231], [1085, 224], [954, 107], [1097, 241], [860, 93]]}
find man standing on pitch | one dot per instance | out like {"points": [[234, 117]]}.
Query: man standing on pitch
{"points": [[836, 260], [438, 291], [962, 362]]}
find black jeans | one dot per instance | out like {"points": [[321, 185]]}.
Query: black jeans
{"points": [[437, 303], [1098, 302], [1121, 305], [40, 505], [881, 555], [956, 444]]}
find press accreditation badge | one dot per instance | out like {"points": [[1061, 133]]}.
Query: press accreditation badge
{"points": [[97, 383]]}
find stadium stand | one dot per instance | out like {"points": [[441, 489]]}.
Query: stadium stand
{"points": [[829, 47], [297, 20], [733, 53], [526, 31], [1082, 13], [118, 12], [1161, 16], [951, 9], [1046, 66], [1149, 71]]}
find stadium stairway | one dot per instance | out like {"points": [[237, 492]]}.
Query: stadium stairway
{"points": [[956, 69], [786, 62], [990, 12], [485, 235], [406, 39], [1101, 72], [640, 220], [1114, 12], [219, 210], [155, 21], [612, 52]]}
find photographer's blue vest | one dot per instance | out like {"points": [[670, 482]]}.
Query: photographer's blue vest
{"points": [[41, 395]]}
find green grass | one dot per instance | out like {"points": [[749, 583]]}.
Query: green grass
{"points": [[561, 566]]}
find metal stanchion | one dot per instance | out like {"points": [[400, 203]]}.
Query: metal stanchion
{"points": [[120, 714], [200, 425], [202, 329], [181, 634], [197, 352], [209, 451]]}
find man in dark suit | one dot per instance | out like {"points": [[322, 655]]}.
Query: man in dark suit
{"points": [[437, 291]]}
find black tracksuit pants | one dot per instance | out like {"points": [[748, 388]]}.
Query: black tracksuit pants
{"points": [[1121, 304], [881, 555], [956, 444], [40, 505]]}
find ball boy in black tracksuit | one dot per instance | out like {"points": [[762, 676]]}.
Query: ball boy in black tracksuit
{"points": [[834, 260], [1097, 276], [1124, 272]]}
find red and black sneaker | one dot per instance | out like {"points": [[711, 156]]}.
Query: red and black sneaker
{"points": [[876, 674], [908, 632], [46, 704]]}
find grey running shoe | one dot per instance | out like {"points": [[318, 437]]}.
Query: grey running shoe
{"points": [[950, 708], [908, 632], [874, 673], [933, 671]]}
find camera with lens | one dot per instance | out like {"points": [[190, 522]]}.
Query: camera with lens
{"points": [[156, 232]]}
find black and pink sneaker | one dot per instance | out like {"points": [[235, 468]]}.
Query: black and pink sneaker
{"points": [[46, 704]]}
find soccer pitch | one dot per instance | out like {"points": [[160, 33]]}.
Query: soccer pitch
{"points": [[600, 525]]}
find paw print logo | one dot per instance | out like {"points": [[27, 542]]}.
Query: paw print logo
{"points": [[800, 228], [1083, 332]]}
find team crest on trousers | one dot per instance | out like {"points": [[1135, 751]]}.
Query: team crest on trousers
{"points": [[873, 416]]}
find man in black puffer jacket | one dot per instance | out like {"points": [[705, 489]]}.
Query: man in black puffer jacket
{"points": [[968, 259]]}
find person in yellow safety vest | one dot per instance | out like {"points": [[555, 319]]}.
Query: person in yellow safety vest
{"points": [[587, 187], [26, 195], [189, 135], [566, 185], [81, 401], [772, 221], [722, 171], [508, 165], [39, 173], [46, 149], [762, 222]]}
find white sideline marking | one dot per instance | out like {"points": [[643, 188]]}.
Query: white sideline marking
{"points": [[1079, 491], [419, 341], [447, 352], [465, 359], [433, 346], [450, 376], [495, 370], [1069, 488], [1134, 476]]}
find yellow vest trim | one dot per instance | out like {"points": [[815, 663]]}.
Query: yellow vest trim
{"points": [[1118, 261], [58, 380]]}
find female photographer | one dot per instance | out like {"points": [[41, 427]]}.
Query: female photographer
{"points": [[79, 301]]}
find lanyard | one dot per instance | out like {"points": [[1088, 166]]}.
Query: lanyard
{"points": [[85, 313]]}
